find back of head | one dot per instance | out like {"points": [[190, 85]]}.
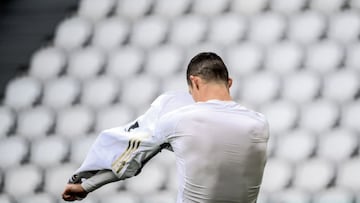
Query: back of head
{"points": [[208, 66]]}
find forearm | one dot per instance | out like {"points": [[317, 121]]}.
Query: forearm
{"points": [[99, 179]]}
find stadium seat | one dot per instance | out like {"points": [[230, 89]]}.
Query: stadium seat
{"points": [[284, 57], [85, 63], [337, 145], [333, 195], [74, 121], [282, 115], [341, 86], [67, 86], [133, 9], [287, 7], [175, 82], [47, 63], [319, 116], [160, 197], [18, 176], [99, 92], [348, 176], [234, 25], [314, 175], [113, 116], [345, 27], [260, 88], [354, 4], [291, 195], [210, 7], [250, 8], [301, 86], [198, 48], [352, 59], [7, 121], [151, 179], [243, 59], [164, 61], [296, 146], [125, 62], [188, 30], [110, 33], [13, 151], [172, 179], [131, 96], [123, 197], [324, 57], [351, 116], [149, 32], [326, 6], [72, 33], [266, 28], [35, 122], [57, 177], [22, 92], [95, 10], [49, 151], [306, 27], [80, 147], [171, 9], [38, 198], [277, 175], [5, 198]]}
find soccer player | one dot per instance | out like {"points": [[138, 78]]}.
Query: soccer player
{"points": [[220, 146]]}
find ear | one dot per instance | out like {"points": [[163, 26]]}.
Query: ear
{"points": [[230, 81], [194, 82]]}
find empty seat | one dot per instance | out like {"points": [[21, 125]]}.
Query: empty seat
{"points": [[234, 25], [284, 57], [337, 145], [324, 56], [57, 177], [35, 122], [110, 33], [341, 86], [72, 33], [287, 7], [99, 92], [188, 30], [291, 195], [201, 47], [277, 175], [348, 175], [7, 120], [22, 92], [210, 7], [260, 88], [49, 151], [164, 61], [61, 92], [125, 62], [282, 115], [95, 10], [80, 147], [132, 96], [47, 63], [266, 28], [149, 32], [244, 58], [314, 175], [5, 198], [17, 177], [160, 197], [249, 7], [306, 27], [301, 86], [333, 195], [326, 6], [355, 4], [113, 116], [351, 116], [174, 83], [13, 151], [133, 9], [296, 146], [123, 197], [352, 59], [85, 63], [74, 121], [38, 198], [171, 9], [345, 26], [319, 115]]}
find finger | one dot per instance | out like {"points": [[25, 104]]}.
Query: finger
{"points": [[68, 197]]}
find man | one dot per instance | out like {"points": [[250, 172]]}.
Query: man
{"points": [[220, 146]]}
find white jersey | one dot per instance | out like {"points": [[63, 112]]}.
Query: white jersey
{"points": [[220, 149]]}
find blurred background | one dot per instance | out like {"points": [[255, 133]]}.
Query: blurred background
{"points": [[70, 69]]}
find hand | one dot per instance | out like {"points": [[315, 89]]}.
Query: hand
{"points": [[74, 192]]}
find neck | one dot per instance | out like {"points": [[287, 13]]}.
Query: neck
{"points": [[214, 91]]}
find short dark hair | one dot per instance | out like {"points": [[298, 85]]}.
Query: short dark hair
{"points": [[208, 66]]}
